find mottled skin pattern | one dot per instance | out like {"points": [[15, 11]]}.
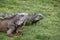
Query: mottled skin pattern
{"points": [[11, 25], [7, 26], [3, 16], [34, 18]]}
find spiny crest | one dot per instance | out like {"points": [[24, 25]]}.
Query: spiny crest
{"points": [[6, 16]]}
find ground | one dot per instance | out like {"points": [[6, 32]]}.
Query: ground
{"points": [[46, 29]]}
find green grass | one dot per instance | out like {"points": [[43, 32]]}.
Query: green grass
{"points": [[46, 29]]}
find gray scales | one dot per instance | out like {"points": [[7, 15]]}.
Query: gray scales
{"points": [[4, 15], [13, 21], [31, 19]]}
